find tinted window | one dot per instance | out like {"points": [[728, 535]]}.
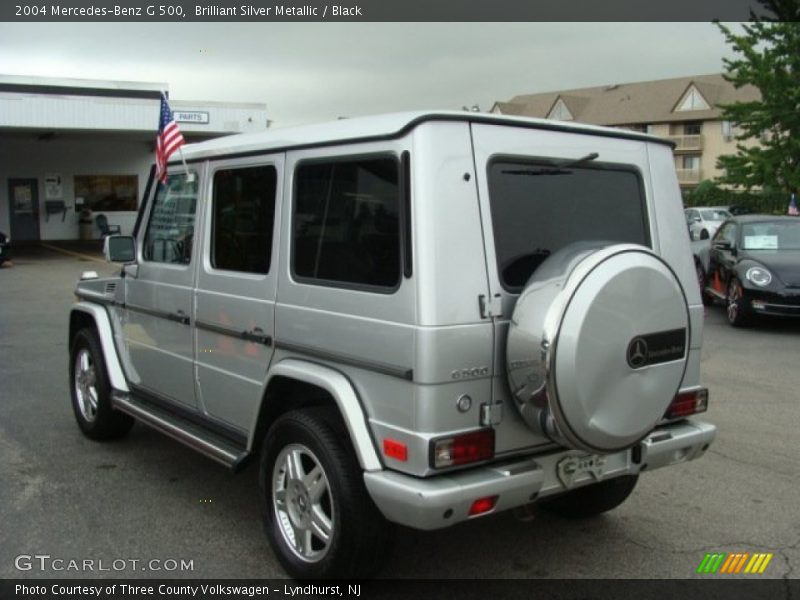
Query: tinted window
{"points": [[244, 214], [346, 222], [170, 232], [538, 209]]}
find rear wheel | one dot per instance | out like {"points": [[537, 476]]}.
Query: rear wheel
{"points": [[738, 316], [704, 234], [593, 499], [318, 515], [91, 390]]}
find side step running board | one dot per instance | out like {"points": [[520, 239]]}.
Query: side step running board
{"points": [[206, 442]]}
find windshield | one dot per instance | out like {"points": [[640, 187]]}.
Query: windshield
{"points": [[538, 208], [715, 215], [771, 235]]}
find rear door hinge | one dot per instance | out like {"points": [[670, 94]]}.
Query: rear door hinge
{"points": [[491, 414], [491, 307]]}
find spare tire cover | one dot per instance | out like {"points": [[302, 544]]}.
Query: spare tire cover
{"points": [[598, 345]]}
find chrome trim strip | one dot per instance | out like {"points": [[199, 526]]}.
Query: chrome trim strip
{"points": [[177, 317], [250, 336], [216, 452], [378, 367]]}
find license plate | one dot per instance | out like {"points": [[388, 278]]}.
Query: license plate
{"points": [[572, 468]]}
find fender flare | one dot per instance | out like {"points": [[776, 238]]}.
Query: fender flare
{"points": [[105, 332], [340, 388]]}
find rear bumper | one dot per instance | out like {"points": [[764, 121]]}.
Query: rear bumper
{"points": [[444, 500]]}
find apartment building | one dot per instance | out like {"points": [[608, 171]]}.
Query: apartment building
{"points": [[684, 110]]}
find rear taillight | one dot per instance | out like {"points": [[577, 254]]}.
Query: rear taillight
{"points": [[688, 403], [462, 449]]}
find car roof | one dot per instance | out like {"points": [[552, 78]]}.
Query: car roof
{"points": [[374, 128], [763, 218]]}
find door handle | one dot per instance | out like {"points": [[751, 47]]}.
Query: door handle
{"points": [[257, 335], [179, 317]]}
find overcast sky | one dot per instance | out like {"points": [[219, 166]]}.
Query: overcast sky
{"points": [[307, 72]]}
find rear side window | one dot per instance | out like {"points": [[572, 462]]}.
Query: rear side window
{"points": [[170, 231], [243, 219], [346, 222], [539, 208]]}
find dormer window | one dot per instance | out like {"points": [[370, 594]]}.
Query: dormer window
{"points": [[560, 112], [692, 100]]}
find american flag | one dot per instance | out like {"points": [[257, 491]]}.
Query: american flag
{"points": [[793, 206], [169, 139]]}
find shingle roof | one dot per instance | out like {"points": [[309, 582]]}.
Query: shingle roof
{"points": [[633, 103]]}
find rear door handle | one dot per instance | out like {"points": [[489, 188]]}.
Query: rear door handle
{"points": [[179, 317], [257, 335]]}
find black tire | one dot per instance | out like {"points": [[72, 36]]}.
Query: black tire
{"points": [[91, 391], [359, 536], [704, 234], [737, 312], [593, 499], [707, 298]]}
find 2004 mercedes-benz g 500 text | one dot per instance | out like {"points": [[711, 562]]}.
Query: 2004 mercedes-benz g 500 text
{"points": [[416, 319]]}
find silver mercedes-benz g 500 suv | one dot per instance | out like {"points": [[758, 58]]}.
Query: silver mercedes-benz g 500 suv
{"points": [[416, 319]]}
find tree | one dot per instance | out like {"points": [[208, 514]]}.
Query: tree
{"points": [[767, 57]]}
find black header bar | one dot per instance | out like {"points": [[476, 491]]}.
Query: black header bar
{"points": [[142, 11]]}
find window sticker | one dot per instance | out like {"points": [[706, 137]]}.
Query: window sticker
{"points": [[761, 242]]}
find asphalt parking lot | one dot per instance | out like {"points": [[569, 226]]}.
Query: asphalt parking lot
{"points": [[147, 497]]}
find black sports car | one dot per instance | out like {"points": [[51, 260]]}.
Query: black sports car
{"points": [[754, 267], [5, 248]]}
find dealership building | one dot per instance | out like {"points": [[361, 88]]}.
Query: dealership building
{"points": [[71, 150]]}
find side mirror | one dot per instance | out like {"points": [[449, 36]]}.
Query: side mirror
{"points": [[723, 245], [120, 248]]}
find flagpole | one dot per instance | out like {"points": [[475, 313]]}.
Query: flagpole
{"points": [[185, 166]]}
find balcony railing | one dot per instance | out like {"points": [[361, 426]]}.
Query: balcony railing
{"points": [[689, 175], [686, 143]]}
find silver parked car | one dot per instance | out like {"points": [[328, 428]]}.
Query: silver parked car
{"points": [[417, 319], [703, 221]]}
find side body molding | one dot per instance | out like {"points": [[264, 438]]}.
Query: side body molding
{"points": [[106, 334], [346, 399]]}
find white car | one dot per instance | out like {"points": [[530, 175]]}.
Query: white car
{"points": [[703, 221]]}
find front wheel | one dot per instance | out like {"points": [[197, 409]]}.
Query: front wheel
{"points": [[735, 302], [91, 390], [593, 499], [317, 513], [708, 300]]}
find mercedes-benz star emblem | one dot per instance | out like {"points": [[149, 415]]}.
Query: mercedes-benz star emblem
{"points": [[637, 353]]}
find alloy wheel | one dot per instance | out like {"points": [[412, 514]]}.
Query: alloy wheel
{"points": [[85, 381], [302, 502]]}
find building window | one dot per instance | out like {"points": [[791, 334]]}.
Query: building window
{"points": [[170, 232], [693, 128], [727, 131], [107, 193], [244, 215], [346, 222], [691, 162]]}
